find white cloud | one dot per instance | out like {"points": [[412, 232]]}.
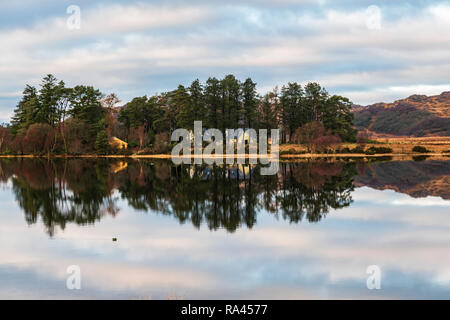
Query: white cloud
{"points": [[122, 45], [389, 94], [10, 94]]}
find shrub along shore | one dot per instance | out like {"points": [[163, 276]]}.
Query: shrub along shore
{"points": [[287, 151]]}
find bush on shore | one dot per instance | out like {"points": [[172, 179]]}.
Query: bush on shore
{"points": [[378, 150], [420, 149], [353, 151]]}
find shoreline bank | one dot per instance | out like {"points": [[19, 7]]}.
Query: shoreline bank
{"points": [[283, 156]]}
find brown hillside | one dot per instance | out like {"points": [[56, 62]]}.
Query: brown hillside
{"points": [[417, 115]]}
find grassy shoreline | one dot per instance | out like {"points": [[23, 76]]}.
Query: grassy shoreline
{"points": [[401, 147]]}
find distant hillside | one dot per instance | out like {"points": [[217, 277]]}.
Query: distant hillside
{"points": [[417, 115]]}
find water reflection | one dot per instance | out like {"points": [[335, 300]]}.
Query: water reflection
{"points": [[82, 191], [141, 202], [59, 192], [418, 179]]}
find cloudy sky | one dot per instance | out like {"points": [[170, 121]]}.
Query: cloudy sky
{"points": [[368, 50]]}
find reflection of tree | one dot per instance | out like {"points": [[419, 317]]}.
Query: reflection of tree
{"points": [[312, 188], [59, 192], [80, 190], [192, 193]]}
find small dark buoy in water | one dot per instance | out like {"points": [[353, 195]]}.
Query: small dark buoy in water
{"points": [[114, 239]]}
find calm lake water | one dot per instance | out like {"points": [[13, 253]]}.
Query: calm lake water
{"points": [[201, 232]]}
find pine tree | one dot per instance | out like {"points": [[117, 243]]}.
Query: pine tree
{"points": [[231, 104], [338, 118], [49, 95], [180, 109], [293, 114], [315, 101], [85, 103], [197, 101], [25, 111], [102, 143], [213, 103], [250, 102], [267, 112]]}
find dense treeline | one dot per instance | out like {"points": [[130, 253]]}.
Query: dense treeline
{"points": [[61, 120], [57, 119]]}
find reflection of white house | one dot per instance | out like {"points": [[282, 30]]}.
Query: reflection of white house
{"points": [[239, 171], [235, 171]]}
